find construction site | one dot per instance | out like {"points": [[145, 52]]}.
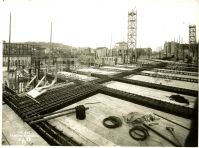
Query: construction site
{"points": [[101, 97]]}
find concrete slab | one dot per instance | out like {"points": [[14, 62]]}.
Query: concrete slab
{"points": [[129, 66], [97, 71], [174, 83], [91, 131], [17, 132], [150, 92], [171, 74], [169, 70], [75, 76], [116, 68]]}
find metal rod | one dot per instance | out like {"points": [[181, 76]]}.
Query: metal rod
{"points": [[171, 121], [170, 129], [93, 102], [45, 115], [48, 118], [161, 135]]}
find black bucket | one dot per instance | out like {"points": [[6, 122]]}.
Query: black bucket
{"points": [[80, 112]]}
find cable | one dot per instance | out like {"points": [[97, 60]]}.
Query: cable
{"points": [[116, 122], [141, 135]]}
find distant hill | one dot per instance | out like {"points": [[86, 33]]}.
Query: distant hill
{"points": [[56, 46]]}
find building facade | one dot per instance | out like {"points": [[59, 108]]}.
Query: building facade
{"points": [[179, 51], [144, 53], [87, 56], [120, 51], [21, 54]]}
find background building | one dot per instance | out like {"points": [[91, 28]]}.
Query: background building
{"points": [[20, 54], [178, 51]]}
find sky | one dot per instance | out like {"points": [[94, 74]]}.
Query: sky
{"points": [[98, 23]]}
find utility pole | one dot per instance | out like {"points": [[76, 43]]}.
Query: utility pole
{"points": [[110, 48], [49, 58], [8, 68], [51, 36], [178, 48]]}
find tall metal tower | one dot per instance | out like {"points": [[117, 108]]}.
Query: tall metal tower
{"points": [[192, 34], [132, 35]]}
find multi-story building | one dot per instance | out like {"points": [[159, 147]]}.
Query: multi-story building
{"points": [[120, 51], [100, 53], [21, 54], [143, 53], [171, 49], [181, 51], [87, 56]]}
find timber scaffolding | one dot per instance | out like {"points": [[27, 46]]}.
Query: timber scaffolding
{"points": [[55, 99]]}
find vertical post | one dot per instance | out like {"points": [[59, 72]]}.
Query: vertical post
{"points": [[18, 84], [110, 47], [49, 58], [15, 82], [8, 68], [51, 36], [31, 50], [38, 69], [160, 54], [35, 71], [127, 53], [178, 43], [182, 49], [197, 53]]}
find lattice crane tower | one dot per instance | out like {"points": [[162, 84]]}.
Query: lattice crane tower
{"points": [[132, 34], [192, 34]]}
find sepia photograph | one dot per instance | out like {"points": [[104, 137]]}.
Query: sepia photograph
{"points": [[99, 73]]}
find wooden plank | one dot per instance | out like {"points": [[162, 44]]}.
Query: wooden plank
{"points": [[120, 104], [68, 131], [92, 125], [85, 132], [18, 132], [150, 92], [181, 133], [161, 81], [120, 135], [94, 120]]}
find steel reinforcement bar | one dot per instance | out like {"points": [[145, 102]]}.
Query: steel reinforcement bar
{"points": [[169, 77], [59, 100], [191, 69], [158, 86], [176, 72], [167, 107], [50, 134], [50, 93], [54, 136]]}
